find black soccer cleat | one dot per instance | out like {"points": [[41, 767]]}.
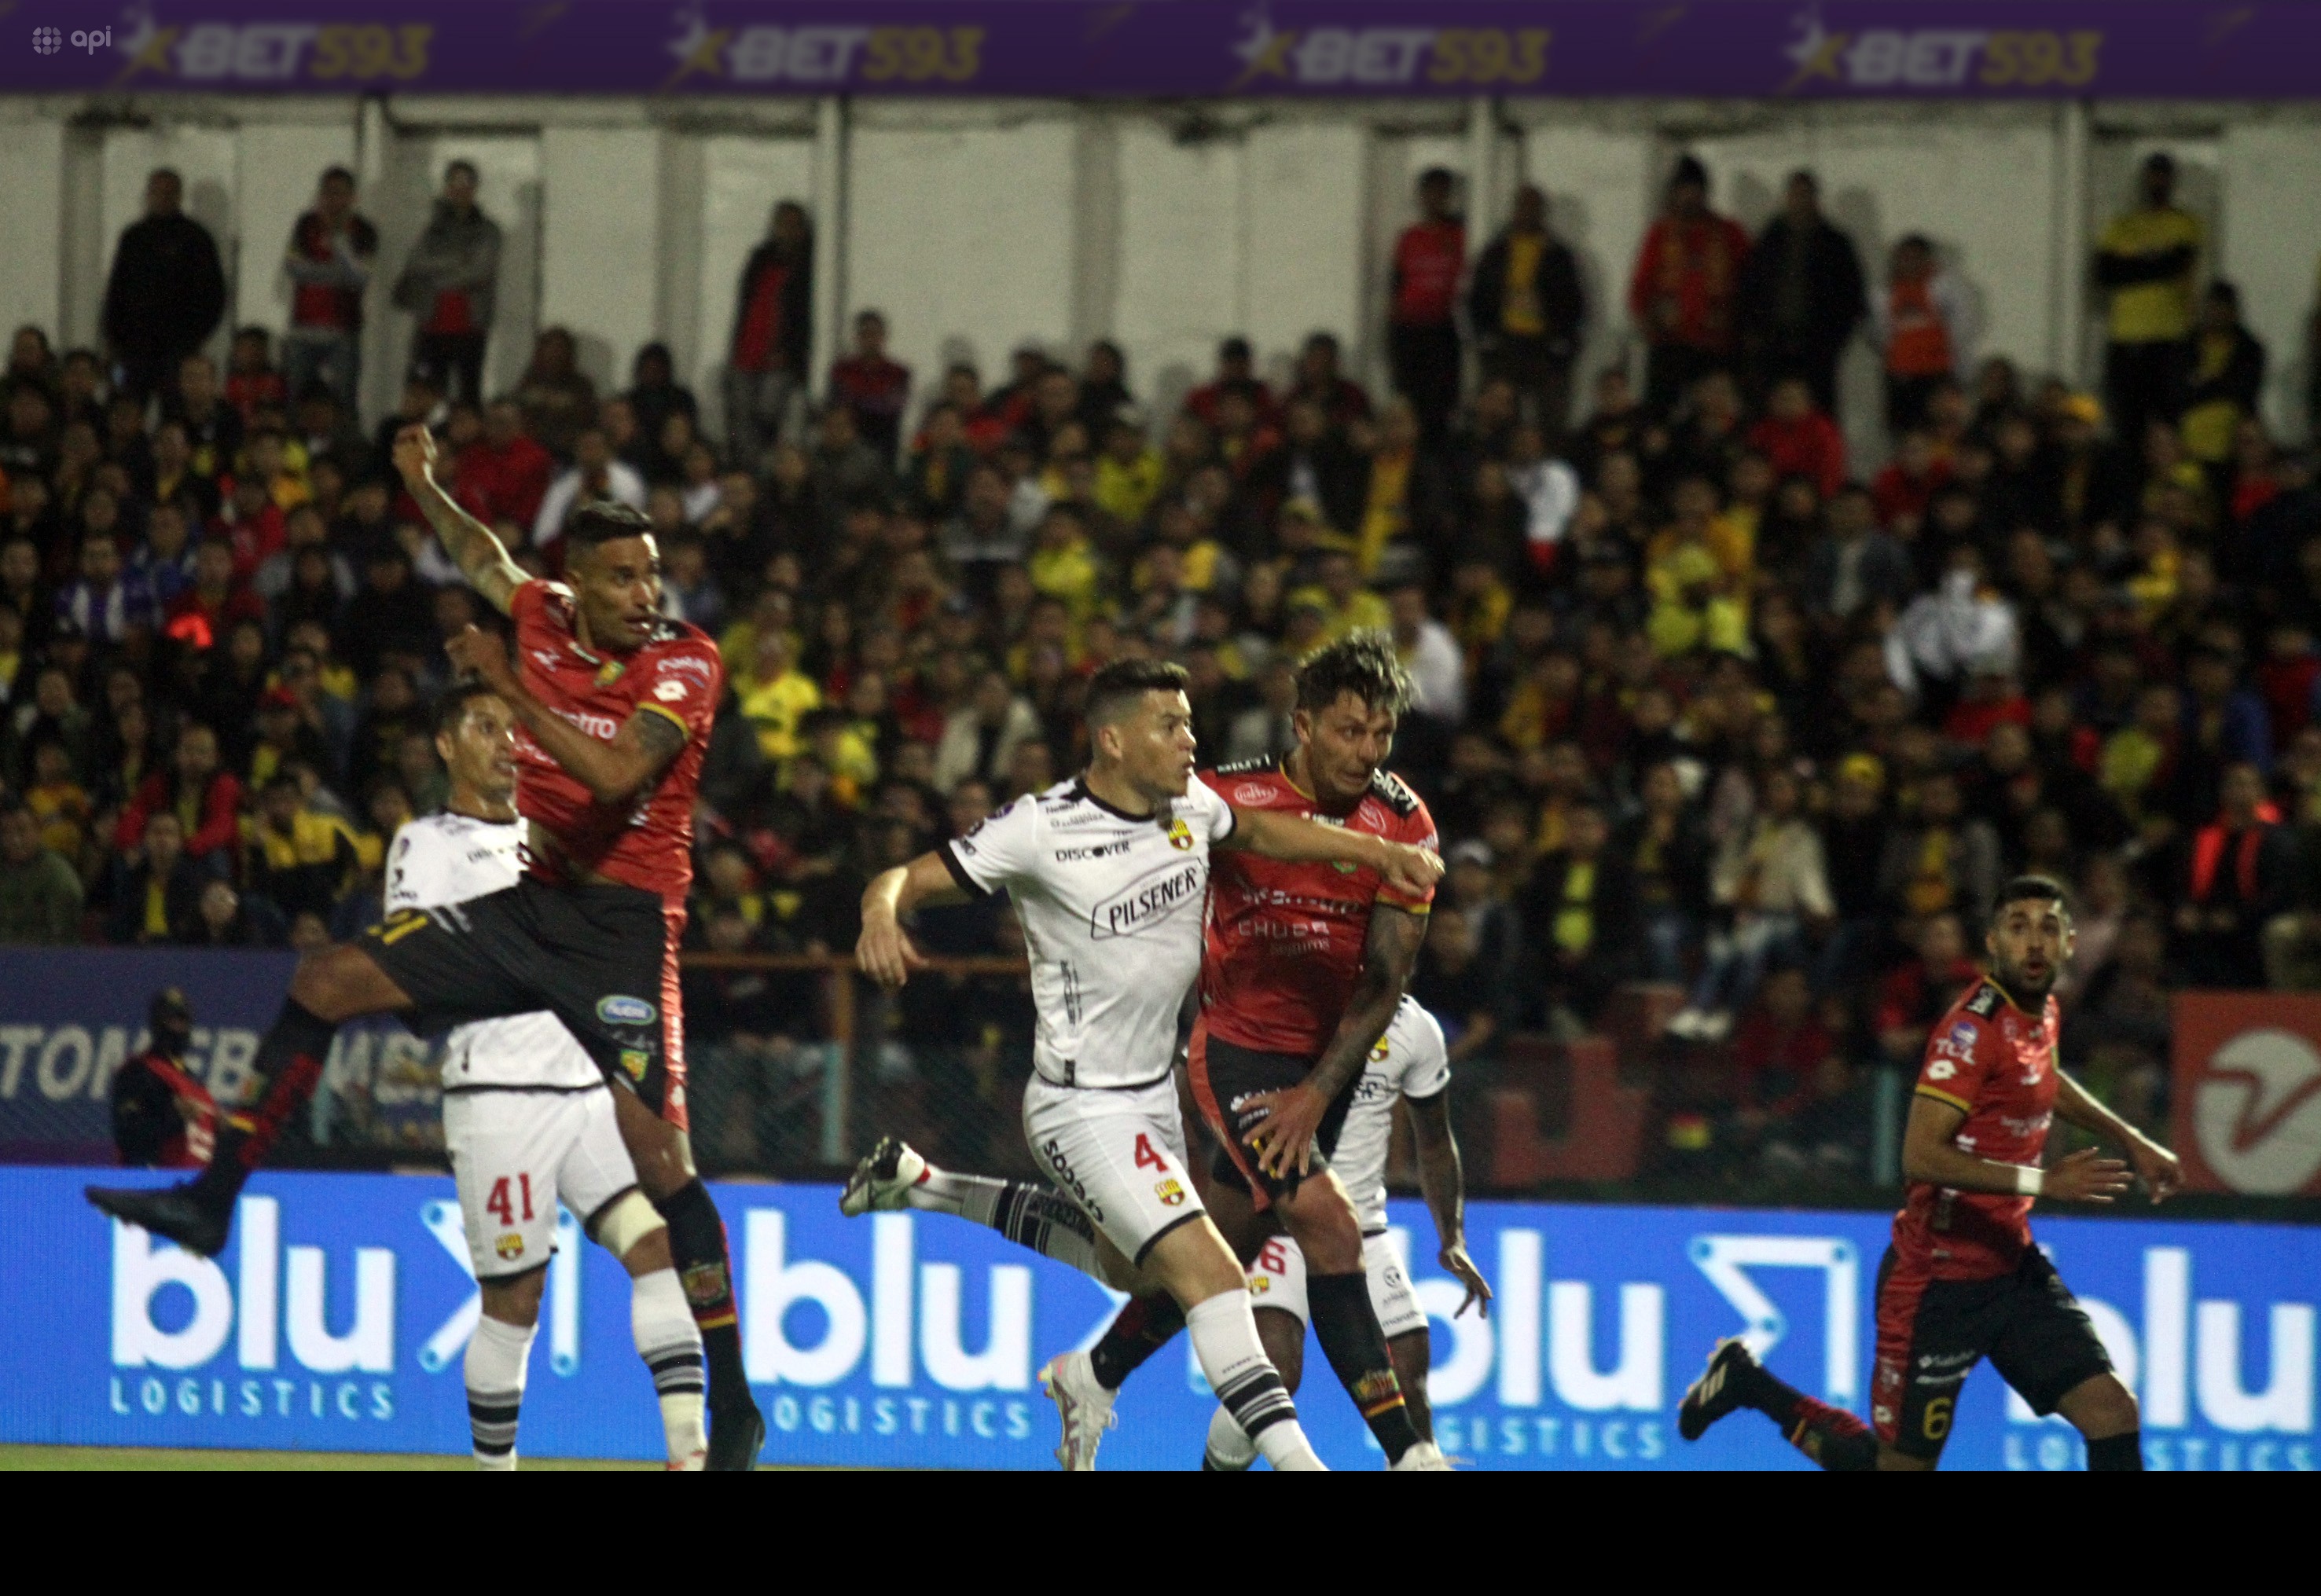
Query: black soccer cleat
{"points": [[734, 1439], [173, 1213], [1718, 1392]]}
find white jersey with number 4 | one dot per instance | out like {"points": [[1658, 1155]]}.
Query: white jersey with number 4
{"points": [[437, 864], [1112, 907], [1411, 1060]]}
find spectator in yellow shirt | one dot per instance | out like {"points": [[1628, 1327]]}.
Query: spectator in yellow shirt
{"points": [[1063, 564], [2148, 261], [1128, 472], [1345, 605], [775, 695]]}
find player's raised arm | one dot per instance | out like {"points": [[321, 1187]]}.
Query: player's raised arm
{"points": [[2154, 1165], [1931, 1154], [469, 542], [1442, 1182], [884, 952], [1409, 871], [613, 772]]}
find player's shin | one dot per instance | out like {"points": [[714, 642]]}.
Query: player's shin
{"points": [[1248, 1387], [497, 1354], [1832, 1437], [1347, 1327], [289, 1063], [696, 1241], [1143, 1327], [670, 1344]]}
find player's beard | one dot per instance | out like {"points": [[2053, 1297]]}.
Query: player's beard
{"points": [[2026, 992]]}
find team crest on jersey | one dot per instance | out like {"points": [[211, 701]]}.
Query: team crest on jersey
{"points": [[1170, 1193], [619, 1010], [1180, 835], [510, 1246], [1378, 1054], [1261, 1284], [636, 1063], [610, 672]]}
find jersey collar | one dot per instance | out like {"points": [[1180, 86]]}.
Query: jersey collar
{"points": [[1080, 789]]}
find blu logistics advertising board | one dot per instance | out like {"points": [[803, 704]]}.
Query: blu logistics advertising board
{"points": [[336, 1320]]}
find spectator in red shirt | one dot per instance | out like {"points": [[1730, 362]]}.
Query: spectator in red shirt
{"points": [[773, 329], [1422, 328], [1318, 378], [873, 387], [504, 473], [1799, 440], [450, 283], [329, 261], [1236, 374], [252, 383], [205, 797], [1903, 489], [1687, 279]]}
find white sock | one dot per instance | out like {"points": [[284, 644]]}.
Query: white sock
{"points": [[670, 1344], [497, 1354], [1229, 1449], [1249, 1387], [972, 1196]]}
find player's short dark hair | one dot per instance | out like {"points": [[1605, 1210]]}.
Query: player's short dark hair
{"points": [[2032, 889], [452, 708], [1362, 663], [1121, 685], [604, 521]]}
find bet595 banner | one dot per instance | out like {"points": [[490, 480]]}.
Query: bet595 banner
{"points": [[337, 1318]]}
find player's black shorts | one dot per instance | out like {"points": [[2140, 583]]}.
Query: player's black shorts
{"points": [[1931, 1333], [603, 959], [1225, 1077]]}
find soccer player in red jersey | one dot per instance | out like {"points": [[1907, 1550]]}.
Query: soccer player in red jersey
{"points": [[615, 704], [1962, 1281], [1304, 967]]}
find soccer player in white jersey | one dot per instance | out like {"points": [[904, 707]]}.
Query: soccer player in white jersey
{"points": [[1410, 1065], [528, 1119], [1109, 876]]}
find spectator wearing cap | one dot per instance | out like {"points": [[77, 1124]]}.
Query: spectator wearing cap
{"points": [[450, 282], [1528, 311], [329, 260], [874, 387], [40, 892], [1800, 295], [1684, 291], [1423, 298], [166, 293], [1924, 331], [2148, 261]]}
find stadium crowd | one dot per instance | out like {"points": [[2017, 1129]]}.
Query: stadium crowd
{"points": [[1699, 700]]}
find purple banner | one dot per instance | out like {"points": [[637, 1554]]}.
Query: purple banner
{"points": [[1842, 48]]}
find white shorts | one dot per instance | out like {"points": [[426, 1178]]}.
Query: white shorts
{"points": [[516, 1155], [1119, 1155], [1278, 1280]]}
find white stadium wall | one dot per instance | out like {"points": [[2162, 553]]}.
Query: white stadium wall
{"points": [[978, 226]]}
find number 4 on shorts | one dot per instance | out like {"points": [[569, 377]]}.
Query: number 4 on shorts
{"points": [[1146, 1158]]}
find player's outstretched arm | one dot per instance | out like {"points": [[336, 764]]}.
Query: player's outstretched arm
{"points": [[1284, 1139], [469, 542], [1931, 1154], [613, 772], [2154, 1165], [884, 952], [1442, 1182], [1410, 871]]}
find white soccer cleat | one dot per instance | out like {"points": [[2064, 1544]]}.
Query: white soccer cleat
{"points": [[694, 1463], [1425, 1458], [881, 1183], [1084, 1406]]}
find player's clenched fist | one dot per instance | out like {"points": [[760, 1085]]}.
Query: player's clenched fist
{"points": [[1412, 871], [885, 953], [414, 454]]}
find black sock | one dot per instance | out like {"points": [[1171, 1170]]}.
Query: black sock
{"points": [[1832, 1437], [1143, 1327], [289, 1061], [2117, 1454], [1347, 1327], [696, 1244]]}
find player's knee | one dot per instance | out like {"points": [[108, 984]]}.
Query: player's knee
{"points": [[516, 1301], [1327, 1233], [2101, 1407], [629, 1223]]}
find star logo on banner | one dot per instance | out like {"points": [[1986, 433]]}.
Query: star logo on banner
{"points": [[1815, 53], [146, 45], [1265, 53], [699, 47]]}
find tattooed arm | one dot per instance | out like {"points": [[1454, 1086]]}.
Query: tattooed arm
{"points": [[469, 541]]}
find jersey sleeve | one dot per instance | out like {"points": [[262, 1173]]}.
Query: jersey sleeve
{"points": [[1001, 847], [1426, 1067], [684, 681], [1416, 828], [1210, 814], [1957, 1053], [406, 871]]}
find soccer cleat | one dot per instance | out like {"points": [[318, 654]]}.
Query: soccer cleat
{"points": [[1084, 1406], [172, 1212], [734, 1439], [1425, 1458], [880, 1182], [695, 1462], [1718, 1392], [1228, 1451]]}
